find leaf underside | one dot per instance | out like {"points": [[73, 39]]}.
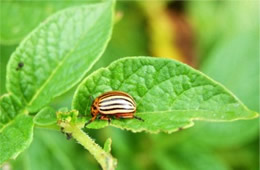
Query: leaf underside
{"points": [[169, 95]]}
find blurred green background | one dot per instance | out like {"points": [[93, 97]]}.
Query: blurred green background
{"points": [[220, 38]]}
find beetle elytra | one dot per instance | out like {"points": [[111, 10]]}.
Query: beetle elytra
{"points": [[113, 104]]}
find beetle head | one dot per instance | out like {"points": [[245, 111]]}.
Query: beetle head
{"points": [[94, 109]]}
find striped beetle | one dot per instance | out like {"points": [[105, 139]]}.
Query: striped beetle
{"points": [[116, 104]]}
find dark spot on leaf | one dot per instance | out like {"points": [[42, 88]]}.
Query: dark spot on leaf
{"points": [[180, 128], [19, 66]]}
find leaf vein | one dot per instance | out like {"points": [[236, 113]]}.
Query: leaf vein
{"points": [[60, 63]]}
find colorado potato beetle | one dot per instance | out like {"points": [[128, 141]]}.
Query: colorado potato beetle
{"points": [[111, 104]]}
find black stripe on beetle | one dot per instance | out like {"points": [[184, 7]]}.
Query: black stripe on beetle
{"points": [[116, 110], [117, 98], [116, 104], [113, 104]]}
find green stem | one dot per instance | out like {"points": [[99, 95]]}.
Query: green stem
{"points": [[105, 159], [70, 124]]}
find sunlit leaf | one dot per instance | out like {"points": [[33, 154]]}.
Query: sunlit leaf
{"points": [[58, 53], [169, 95], [15, 131]]}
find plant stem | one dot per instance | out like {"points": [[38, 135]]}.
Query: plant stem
{"points": [[68, 121], [105, 159]]}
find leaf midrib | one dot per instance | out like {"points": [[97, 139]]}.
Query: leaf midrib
{"points": [[60, 64]]}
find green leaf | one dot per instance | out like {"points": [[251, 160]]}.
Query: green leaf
{"points": [[243, 82], [68, 122], [131, 44], [16, 138], [46, 116], [169, 95], [16, 130], [10, 107], [5, 52], [107, 145], [19, 20], [58, 53]]}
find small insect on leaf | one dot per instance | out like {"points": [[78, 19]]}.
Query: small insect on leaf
{"points": [[68, 136], [19, 66], [112, 104]]}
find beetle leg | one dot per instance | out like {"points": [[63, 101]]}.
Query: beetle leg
{"points": [[105, 117], [68, 135], [128, 115], [91, 120], [138, 118], [88, 122], [124, 115], [62, 130], [99, 117]]}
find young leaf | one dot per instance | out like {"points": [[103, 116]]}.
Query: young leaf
{"points": [[58, 53], [46, 116], [169, 95], [15, 130]]}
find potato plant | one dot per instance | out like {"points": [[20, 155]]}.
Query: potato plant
{"points": [[57, 56]]}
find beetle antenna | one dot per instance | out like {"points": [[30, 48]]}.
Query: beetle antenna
{"points": [[138, 118], [91, 99]]}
